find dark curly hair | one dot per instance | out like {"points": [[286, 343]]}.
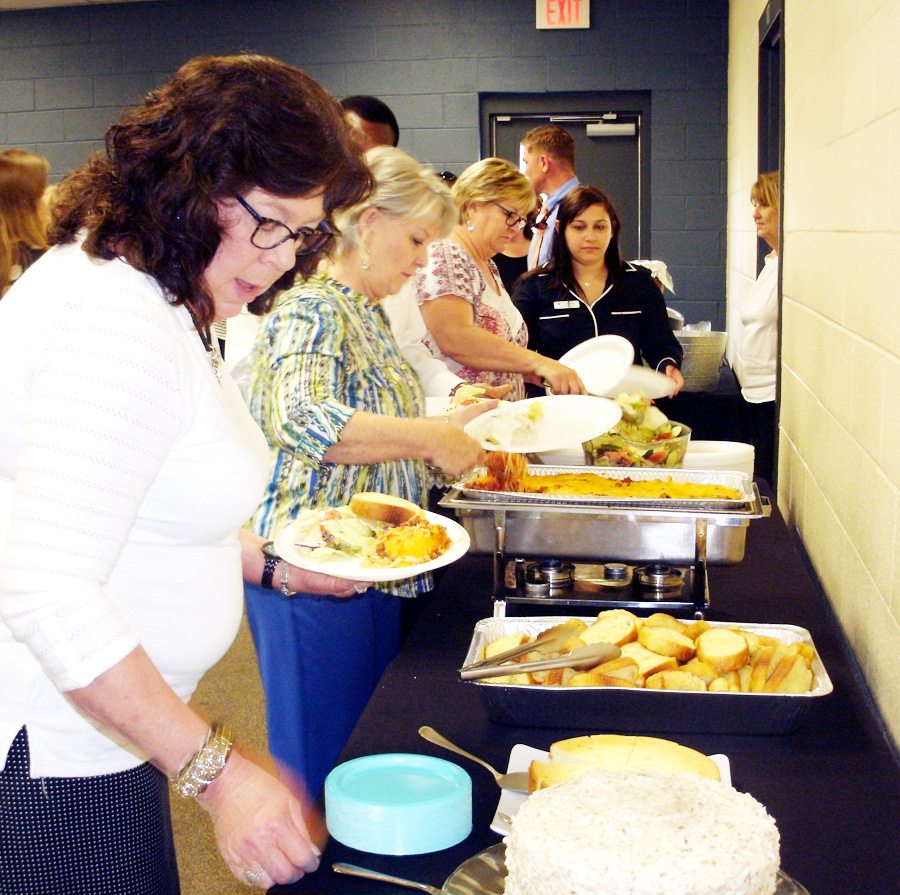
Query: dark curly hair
{"points": [[220, 127]]}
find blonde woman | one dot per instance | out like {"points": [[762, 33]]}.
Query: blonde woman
{"points": [[758, 350], [472, 324], [23, 214], [343, 412]]}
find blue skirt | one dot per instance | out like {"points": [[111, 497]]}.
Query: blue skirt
{"points": [[320, 659], [104, 835]]}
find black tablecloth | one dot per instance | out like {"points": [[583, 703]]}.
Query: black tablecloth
{"points": [[833, 786], [712, 415]]}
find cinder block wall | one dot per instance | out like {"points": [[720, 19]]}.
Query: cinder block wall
{"points": [[66, 73]]}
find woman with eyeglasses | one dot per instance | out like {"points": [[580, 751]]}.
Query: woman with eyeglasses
{"points": [[129, 463], [343, 412], [588, 290], [472, 324]]}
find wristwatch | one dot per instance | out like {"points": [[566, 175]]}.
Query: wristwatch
{"points": [[272, 560]]}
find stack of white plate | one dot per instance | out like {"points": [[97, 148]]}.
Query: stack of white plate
{"points": [[730, 455]]}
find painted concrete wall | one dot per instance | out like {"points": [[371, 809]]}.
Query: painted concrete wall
{"points": [[840, 373], [65, 74]]}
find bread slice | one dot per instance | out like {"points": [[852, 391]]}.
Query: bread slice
{"points": [[384, 508], [648, 662], [675, 679], [725, 650], [617, 626], [578, 755], [667, 642], [664, 620]]}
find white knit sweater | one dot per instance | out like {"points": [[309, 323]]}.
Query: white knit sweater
{"points": [[125, 471]]}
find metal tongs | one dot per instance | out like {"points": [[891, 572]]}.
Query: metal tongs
{"points": [[549, 641], [582, 658]]}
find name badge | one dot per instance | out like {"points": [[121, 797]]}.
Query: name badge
{"points": [[564, 304]]}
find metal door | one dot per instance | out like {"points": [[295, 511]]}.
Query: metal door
{"points": [[607, 155]]}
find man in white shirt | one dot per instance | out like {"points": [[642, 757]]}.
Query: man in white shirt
{"points": [[548, 161]]}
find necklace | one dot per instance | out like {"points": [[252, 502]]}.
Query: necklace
{"points": [[212, 352]]}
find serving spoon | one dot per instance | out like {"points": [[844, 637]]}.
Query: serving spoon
{"points": [[516, 780]]}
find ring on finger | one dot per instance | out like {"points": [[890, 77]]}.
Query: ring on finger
{"points": [[253, 877], [360, 588]]}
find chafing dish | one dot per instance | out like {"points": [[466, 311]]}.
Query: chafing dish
{"points": [[661, 532]]}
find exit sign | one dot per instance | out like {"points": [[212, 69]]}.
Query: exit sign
{"points": [[563, 13]]}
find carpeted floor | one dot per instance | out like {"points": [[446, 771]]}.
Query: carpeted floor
{"points": [[231, 691]]}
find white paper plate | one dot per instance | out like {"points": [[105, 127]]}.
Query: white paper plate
{"points": [[643, 380], [352, 568], [601, 362], [567, 420], [520, 758]]}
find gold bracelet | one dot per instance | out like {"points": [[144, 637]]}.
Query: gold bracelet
{"points": [[205, 764]]}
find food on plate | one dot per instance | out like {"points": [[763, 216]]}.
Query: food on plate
{"points": [[465, 394], [511, 423], [384, 508], [505, 474], [613, 752], [616, 832], [664, 653], [644, 436], [378, 529]]}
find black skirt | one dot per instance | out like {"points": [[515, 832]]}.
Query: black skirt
{"points": [[105, 835]]}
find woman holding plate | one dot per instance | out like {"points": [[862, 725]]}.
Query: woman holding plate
{"points": [[344, 413], [588, 290], [472, 324]]}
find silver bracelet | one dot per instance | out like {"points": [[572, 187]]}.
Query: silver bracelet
{"points": [[285, 587], [206, 763]]}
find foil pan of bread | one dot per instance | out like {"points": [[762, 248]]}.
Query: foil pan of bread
{"points": [[748, 503], [639, 709]]}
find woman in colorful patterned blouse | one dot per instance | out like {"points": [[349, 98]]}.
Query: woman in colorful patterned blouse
{"points": [[473, 326], [343, 413]]}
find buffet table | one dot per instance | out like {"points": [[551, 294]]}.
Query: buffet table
{"points": [[833, 786]]}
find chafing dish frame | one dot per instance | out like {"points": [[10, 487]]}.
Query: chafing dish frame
{"points": [[678, 532]]}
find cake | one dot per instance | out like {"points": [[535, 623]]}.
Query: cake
{"points": [[622, 833]]}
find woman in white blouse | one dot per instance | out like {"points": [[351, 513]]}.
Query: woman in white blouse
{"points": [[758, 351], [128, 463]]}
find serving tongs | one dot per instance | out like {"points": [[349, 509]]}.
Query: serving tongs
{"points": [[580, 659], [549, 641]]}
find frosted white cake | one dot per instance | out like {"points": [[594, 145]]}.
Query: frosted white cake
{"points": [[621, 833]]}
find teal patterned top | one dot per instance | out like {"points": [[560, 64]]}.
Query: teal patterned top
{"points": [[323, 352]]}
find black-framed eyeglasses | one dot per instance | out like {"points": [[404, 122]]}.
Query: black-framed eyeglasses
{"points": [[513, 219], [269, 233]]}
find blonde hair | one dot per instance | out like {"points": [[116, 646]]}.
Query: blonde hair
{"points": [[493, 180], [23, 215], [404, 189], [765, 190]]}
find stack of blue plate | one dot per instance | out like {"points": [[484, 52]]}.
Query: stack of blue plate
{"points": [[398, 804]]}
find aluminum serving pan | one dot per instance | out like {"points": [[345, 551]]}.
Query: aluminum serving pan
{"points": [[638, 710], [621, 530], [748, 502]]}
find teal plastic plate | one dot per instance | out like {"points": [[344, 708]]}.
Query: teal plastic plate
{"points": [[398, 804]]}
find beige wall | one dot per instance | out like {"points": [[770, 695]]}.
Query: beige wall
{"points": [[839, 464]]}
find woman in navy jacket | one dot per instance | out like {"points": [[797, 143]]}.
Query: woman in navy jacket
{"points": [[587, 290]]}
